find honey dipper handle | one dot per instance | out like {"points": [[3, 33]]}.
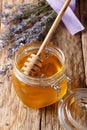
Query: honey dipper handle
{"points": [[54, 26]]}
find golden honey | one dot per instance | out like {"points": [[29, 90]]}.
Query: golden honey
{"points": [[36, 91]]}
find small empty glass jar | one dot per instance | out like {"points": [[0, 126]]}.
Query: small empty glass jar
{"points": [[73, 110]]}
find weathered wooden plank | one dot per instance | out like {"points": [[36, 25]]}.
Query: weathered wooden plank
{"points": [[83, 13], [72, 48]]}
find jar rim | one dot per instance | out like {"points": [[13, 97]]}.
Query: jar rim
{"points": [[65, 116], [42, 79]]}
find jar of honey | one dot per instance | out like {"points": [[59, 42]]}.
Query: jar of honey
{"points": [[47, 85]]}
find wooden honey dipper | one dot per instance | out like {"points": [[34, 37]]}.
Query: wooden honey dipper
{"points": [[33, 62]]}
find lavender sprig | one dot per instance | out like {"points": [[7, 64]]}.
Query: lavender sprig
{"points": [[29, 35], [23, 29], [29, 23], [5, 69], [23, 12]]}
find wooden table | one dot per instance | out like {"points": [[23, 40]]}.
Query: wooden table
{"points": [[14, 115]]}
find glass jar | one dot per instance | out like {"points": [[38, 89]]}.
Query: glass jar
{"points": [[43, 91], [72, 110]]}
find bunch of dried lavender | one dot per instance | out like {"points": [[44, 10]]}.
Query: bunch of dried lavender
{"points": [[26, 23]]}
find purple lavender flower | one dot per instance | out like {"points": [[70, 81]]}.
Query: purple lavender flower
{"points": [[24, 26], [5, 69], [8, 6]]}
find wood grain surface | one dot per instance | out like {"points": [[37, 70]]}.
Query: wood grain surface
{"points": [[14, 115]]}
